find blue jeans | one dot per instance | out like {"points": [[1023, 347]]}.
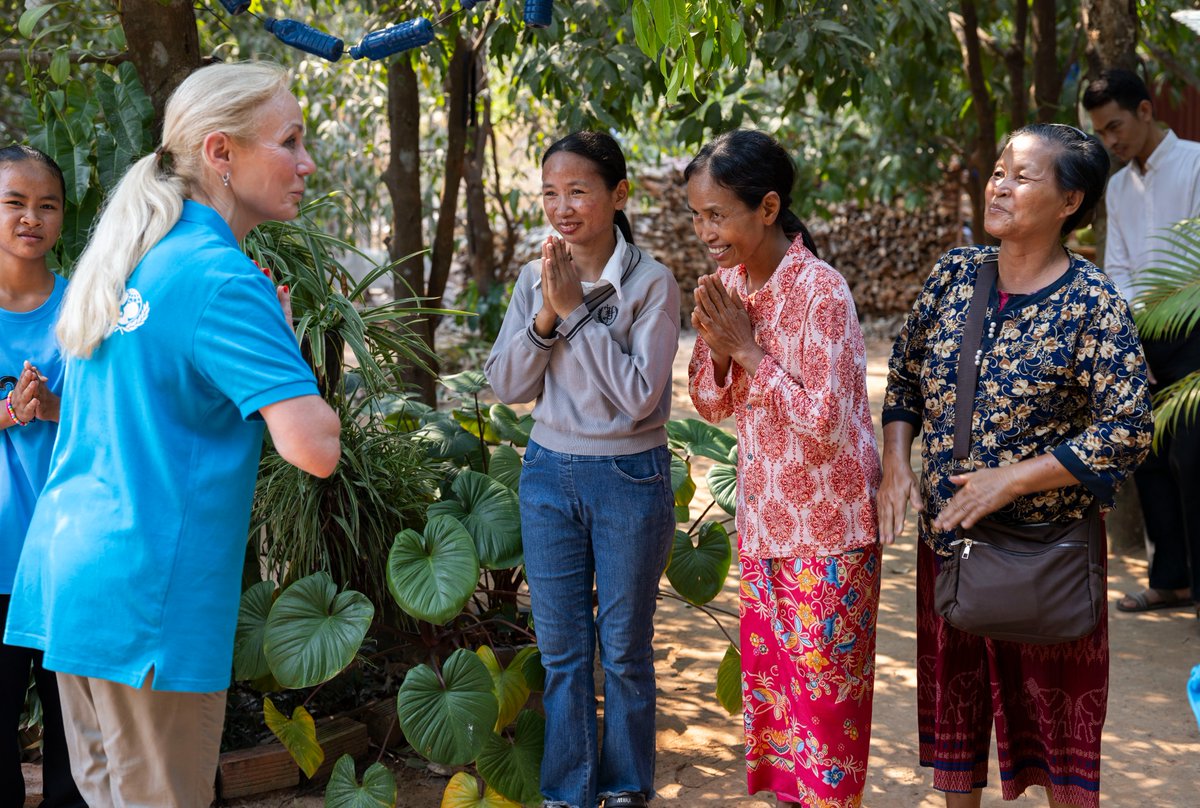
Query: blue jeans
{"points": [[610, 519]]}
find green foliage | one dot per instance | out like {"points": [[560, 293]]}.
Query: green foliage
{"points": [[378, 788], [447, 715], [698, 571], [729, 680], [298, 735], [465, 791], [1168, 307], [490, 512], [512, 765], [432, 574], [313, 631], [249, 661], [508, 684]]}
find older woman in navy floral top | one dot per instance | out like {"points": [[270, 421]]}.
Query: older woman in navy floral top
{"points": [[1061, 417]]}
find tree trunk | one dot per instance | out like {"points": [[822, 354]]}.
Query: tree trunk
{"points": [[161, 39], [457, 73], [481, 247], [1047, 79], [1112, 34], [1014, 61], [983, 155], [403, 180]]}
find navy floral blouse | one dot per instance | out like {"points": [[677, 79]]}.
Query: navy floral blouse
{"points": [[1062, 372]]}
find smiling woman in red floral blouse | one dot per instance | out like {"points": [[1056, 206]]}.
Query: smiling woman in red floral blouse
{"points": [[779, 347]]}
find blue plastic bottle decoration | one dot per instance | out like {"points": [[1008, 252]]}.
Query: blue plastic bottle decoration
{"points": [[305, 37], [469, 4], [236, 7], [538, 13], [395, 39], [1193, 690]]}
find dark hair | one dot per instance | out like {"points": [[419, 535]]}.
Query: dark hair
{"points": [[752, 164], [1123, 86], [18, 153], [603, 152], [1081, 164]]}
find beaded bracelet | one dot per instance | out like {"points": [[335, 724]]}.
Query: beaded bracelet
{"points": [[11, 412]]}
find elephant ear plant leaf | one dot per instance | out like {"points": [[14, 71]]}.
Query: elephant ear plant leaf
{"points": [[509, 426], [298, 735], [447, 716], [314, 631], [463, 792], [432, 574], [490, 512], [509, 684], [249, 661], [511, 765], [698, 571], [505, 466], [729, 680], [378, 789], [696, 437], [722, 484]]}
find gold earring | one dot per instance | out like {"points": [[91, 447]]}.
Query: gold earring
{"points": [[225, 179]]}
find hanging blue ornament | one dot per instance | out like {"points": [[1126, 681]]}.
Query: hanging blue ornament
{"points": [[538, 13], [305, 37], [236, 7], [393, 40]]}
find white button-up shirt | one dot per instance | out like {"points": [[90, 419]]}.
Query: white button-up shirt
{"points": [[1142, 204]]}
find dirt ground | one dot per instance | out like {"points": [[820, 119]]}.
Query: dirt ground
{"points": [[1151, 740]]}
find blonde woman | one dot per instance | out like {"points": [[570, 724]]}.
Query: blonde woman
{"points": [[177, 351]]}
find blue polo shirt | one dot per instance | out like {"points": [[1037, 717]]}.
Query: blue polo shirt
{"points": [[25, 450], [133, 559]]}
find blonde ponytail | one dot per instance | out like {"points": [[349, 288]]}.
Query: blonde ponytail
{"points": [[148, 201]]}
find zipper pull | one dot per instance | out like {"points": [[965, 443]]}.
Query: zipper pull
{"points": [[966, 553]]}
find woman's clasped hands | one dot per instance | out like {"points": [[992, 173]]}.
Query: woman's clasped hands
{"points": [[723, 323], [31, 398], [562, 291]]}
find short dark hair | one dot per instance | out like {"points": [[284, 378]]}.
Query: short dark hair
{"points": [[752, 164], [603, 151], [1123, 86], [18, 153], [1081, 164]]}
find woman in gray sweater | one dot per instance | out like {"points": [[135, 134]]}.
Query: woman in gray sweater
{"points": [[590, 334]]}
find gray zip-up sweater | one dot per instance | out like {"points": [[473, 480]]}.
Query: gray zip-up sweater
{"points": [[602, 381]]}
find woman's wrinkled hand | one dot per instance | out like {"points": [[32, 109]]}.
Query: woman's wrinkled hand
{"points": [[722, 321], [979, 493], [897, 492]]}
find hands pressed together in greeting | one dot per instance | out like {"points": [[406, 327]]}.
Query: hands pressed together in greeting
{"points": [[562, 292], [31, 399], [723, 323]]}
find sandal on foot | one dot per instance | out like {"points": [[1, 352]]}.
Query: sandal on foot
{"points": [[626, 799], [1150, 599]]}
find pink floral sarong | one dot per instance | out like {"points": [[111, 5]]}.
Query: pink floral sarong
{"points": [[808, 674]]}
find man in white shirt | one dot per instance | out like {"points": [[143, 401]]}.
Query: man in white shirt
{"points": [[1159, 186]]}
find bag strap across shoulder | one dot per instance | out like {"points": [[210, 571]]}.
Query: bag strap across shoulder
{"points": [[969, 359]]}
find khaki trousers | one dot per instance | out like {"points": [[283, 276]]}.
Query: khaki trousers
{"points": [[141, 748]]}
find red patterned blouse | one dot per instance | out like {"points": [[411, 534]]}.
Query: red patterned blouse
{"points": [[808, 464]]}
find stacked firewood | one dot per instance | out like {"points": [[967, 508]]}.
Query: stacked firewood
{"points": [[885, 252]]}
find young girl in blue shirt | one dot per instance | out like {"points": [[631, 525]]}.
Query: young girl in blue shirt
{"points": [[32, 194]]}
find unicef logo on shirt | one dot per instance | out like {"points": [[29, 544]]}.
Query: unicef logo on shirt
{"points": [[607, 314], [134, 311]]}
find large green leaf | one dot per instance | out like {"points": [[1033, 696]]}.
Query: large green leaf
{"points": [[509, 685], [696, 437], [465, 384], [314, 631], [729, 680], [477, 423], [378, 789], [298, 735], [505, 466], [249, 661], [511, 766], [722, 484], [444, 439], [535, 672], [432, 575], [448, 718], [698, 571], [510, 426], [491, 513], [463, 792]]}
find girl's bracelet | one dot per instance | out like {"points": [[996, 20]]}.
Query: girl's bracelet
{"points": [[11, 412]]}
